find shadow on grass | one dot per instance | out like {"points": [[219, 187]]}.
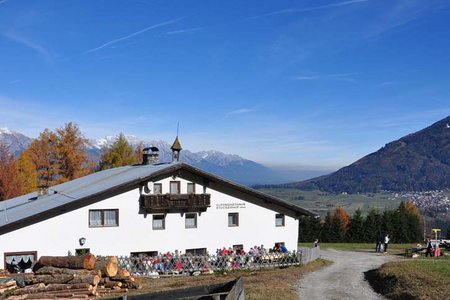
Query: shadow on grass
{"points": [[387, 286]]}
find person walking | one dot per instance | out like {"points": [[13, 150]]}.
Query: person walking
{"points": [[429, 250], [379, 242], [386, 242]]}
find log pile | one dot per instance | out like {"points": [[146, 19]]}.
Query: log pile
{"points": [[74, 277], [7, 285]]}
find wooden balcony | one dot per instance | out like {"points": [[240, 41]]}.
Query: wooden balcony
{"points": [[174, 203]]}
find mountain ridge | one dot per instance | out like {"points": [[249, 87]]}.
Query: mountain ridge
{"points": [[419, 161], [230, 166]]}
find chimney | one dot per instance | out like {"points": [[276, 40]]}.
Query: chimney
{"points": [[150, 155], [42, 190]]}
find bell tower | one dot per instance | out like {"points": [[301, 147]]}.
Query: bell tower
{"points": [[176, 149]]}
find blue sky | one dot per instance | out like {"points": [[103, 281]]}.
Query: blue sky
{"points": [[303, 83]]}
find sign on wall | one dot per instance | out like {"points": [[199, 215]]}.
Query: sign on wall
{"points": [[230, 205]]}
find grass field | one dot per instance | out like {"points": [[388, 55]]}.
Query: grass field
{"points": [[395, 249], [426, 278], [321, 202]]}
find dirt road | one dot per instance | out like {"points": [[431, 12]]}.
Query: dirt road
{"points": [[344, 279]]}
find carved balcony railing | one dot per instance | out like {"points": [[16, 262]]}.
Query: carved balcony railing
{"points": [[174, 203]]}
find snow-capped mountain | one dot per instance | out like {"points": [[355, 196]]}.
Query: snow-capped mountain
{"points": [[229, 166], [14, 141]]}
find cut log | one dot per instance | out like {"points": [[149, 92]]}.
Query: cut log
{"points": [[131, 284], [107, 265], [113, 284], [8, 284], [53, 288], [53, 270], [70, 295], [73, 286], [122, 278], [55, 278], [91, 279], [71, 262], [123, 272]]}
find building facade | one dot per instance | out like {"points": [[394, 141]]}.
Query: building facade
{"points": [[143, 209]]}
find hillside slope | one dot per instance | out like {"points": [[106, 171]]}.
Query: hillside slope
{"points": [[417, 162]]}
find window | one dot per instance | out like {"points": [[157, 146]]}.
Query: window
{"points": [[143, 254], [197, 251], [233, 219], [191, 221], [279, 220], [103, 217], [18, 262], [82, 251], [191, 188], [174, 187], [159, 222], [157, 188]]}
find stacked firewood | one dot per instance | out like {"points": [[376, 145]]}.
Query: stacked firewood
{"points": [[7, 284], [74, 277]]}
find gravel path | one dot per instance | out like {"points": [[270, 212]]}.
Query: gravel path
{"points": [[344, 279]]}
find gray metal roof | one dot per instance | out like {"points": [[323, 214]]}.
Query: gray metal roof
{"points": [[29, 209]]}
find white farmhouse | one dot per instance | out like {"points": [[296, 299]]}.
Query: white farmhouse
{"points": [[146, 208]]}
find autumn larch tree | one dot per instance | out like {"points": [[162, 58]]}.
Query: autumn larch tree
{"points": [[10, 183], [56, 157], [42, 153], [71, 153]]}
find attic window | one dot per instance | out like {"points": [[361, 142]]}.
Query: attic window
{"points": [[191, 188], [174, 187], [157, 188]]}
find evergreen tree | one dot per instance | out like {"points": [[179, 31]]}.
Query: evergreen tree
{"points": [[372, 226], [326, 234], [356, 229], [389, 222], [10, 184], [121, 153], [337, 230], [309, 228]]}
